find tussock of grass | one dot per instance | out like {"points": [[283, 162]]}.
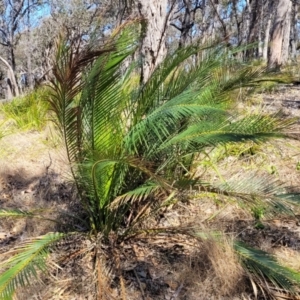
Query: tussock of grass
{"points": [[28, 112], [214, 271], [289, 257]]}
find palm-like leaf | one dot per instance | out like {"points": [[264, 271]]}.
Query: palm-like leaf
{"points": [[253, 190], [30, 257], [4, 213], [140, 193], [120, 141], [18, 213], [261, 264]]}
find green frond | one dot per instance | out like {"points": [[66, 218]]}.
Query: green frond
{"points": [[253, 190], [164, 122], [103, 172], [138, 194], [121, 136], [18, 213], [254, 128], [29, 258], [80, 73], [252, 184], [261, 264], [292, 198], [102, 105], [105, 180], [177, 74], [15, 213]]}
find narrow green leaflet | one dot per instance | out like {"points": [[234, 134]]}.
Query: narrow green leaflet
{"points": [[262, 264], [31, 256], [15, 213]]}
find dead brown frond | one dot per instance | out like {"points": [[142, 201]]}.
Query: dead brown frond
{"points": [[103, 280], [123, 288]]}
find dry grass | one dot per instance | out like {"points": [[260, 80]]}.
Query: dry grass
{"points": [[288, 257], [213, 272]]}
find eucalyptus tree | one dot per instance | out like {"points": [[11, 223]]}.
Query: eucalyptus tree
{"points": [[80, 20], [14, 17], [272, 25], [167, 25]]}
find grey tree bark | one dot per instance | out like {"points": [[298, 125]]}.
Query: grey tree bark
{"points": [[286, 34], [267, 32], [294, 35], [157, 14], [254, 8], [281, 27], [29, 50]]}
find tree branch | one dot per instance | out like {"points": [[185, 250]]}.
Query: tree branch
{"points": [[178, 28]]}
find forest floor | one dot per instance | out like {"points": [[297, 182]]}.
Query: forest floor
{"points": [[34, 175]]}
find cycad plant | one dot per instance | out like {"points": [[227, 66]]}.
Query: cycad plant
{"points": [[131, 145]]}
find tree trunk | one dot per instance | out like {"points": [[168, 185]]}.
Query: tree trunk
{"points": [[267, 36], [153, 48], [238, 22], [247, 15], [281, 26], [186, 24], [260, 31], [286, 35], [254, 9], [29, 67], [12, 87], [294, 36]]}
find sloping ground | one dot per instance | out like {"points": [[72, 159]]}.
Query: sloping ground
{"points": [[166, 266]]}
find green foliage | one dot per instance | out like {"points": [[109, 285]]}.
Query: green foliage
{"points": [[239, 150], [262, 265], [258, 213], [268, 87], [259, 192], [127, 144], [272, 170], [28, 112], [4, 213], [29, 258]]}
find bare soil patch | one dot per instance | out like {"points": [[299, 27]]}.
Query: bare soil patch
{"points": [[33, 176]]}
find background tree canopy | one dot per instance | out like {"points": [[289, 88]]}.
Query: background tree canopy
{"points": [[27, 29]]}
